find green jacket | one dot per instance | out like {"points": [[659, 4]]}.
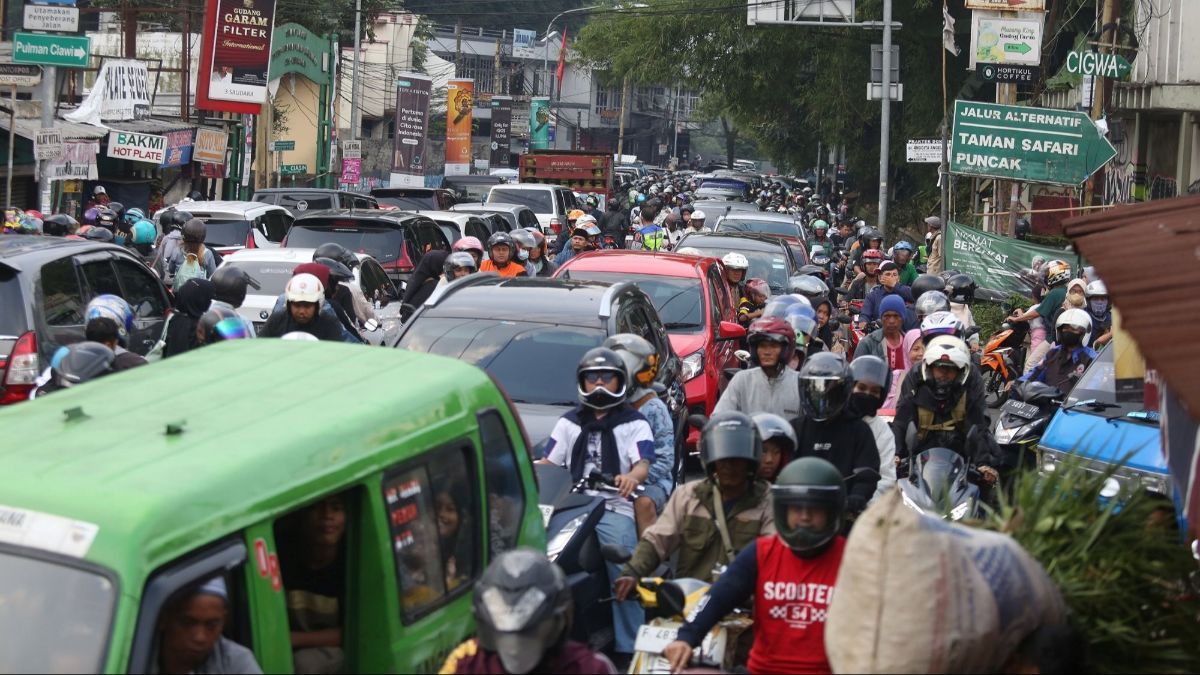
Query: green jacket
{"points": [[909, 274], [688, 526]]}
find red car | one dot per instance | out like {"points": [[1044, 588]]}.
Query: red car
{"points": [[695, 306]]}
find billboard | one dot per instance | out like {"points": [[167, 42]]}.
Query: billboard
{"points": [[460, 102], [412, 125], [501, 131], [539, 123], [235, 55]]}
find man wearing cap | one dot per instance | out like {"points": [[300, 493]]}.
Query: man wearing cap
{"points": [[190, 635], [888, 341], [935, 264], [889, 284], [578, 242]]}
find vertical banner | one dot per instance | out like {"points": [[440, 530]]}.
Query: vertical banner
{"points": [[539, 123], [235, 55], [412, 124], [460, 101], [501, 131]]}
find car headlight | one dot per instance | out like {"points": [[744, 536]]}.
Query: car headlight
{"points": [[693, 365], [559, 541], [1153, 482]]}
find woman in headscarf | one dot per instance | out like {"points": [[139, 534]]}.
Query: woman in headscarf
{"points": [[191, 302], [913, 351], [424, 278]]}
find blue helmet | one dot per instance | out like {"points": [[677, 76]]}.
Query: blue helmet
{"points": [[144, 232], [904, 245], [113, 307]]}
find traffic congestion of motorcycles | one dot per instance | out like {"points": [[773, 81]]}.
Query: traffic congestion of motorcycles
{"points": [[722, 387]]}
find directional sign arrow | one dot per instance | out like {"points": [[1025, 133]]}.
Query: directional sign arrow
{"points": [[1035, 145], [1018, 47]]}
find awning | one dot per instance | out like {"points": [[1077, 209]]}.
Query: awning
{"points": [[28, 128]]}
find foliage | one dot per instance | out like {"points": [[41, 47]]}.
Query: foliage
{"points": [[1120, 566], [990, 315]]}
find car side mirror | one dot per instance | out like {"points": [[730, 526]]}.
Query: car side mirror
{"points": [[729, 330]]}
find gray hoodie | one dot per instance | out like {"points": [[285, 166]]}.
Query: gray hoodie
{"points": [[751, 391]]}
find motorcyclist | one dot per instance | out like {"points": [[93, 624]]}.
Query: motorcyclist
{"points": [[615, 223], [642, 361], [871, 380], [60, 225], [76, 364], [931, 302], [523, 612], [827, 430], [578, 244], [736, 266], [221, 323], [779, 444], [117, 311], [886, 341], [470, 245], [524, 242], [458, 265], [868, 278], [364, 308], [1070, 356], [870, 240], [707, 521], [820, 236], [604, 433], [902, 254], [502, 252], [304, 295], [338, 294], [1100, 311], [770, 386], [191, 251], [961, 288], [538, 257], [649, 235], [801, 561], [1057, 274], [171, 222], [889, 285]]}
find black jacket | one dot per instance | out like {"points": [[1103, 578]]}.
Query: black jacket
{"points": [[845, 441], [615, 222], [915, 394], [322, 327]]}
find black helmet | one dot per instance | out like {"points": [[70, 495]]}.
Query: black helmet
{"points": [[97, 233], [230, 283], [173, 219], [500, 239], [83, 361], [872, 370], [808, 286], [58, 225], [222, 323], [118, 210], [814, 270], [601, 360], [930, 302], [522, 608], [815, 483], [730, 435], [458, 260], [106, 217], [962, 288], [824, 385], [773, 427], [195, 231], [335, 251], [337, 271], [925, 283], [1024, 229], [871, 235]]}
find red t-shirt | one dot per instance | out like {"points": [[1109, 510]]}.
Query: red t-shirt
{"points": [[895, 355], [790, 606]]}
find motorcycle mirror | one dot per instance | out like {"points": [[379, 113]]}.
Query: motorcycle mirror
{"points": [[670, 597], [615, 553], [742, 355], [697, 420], [371, 325]]}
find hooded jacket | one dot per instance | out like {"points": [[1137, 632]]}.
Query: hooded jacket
{"points": [[192, 300]]}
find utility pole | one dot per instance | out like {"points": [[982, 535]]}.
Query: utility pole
{"points": [[49, 99], [885, 116], [944, 167], [457, 45], [1108, 17], [355, 117], [496, 77], [675, 114], [624, 109]]}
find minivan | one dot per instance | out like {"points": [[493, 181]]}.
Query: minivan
{"points": [[299, 200], [398, 240], [233, 225], [110, 522], [550, 203]]}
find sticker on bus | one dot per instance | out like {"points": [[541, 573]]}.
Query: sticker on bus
{"points": [[46, 532]]}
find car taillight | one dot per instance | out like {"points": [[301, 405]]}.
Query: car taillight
{"points": [[21, 373], [556, 225], [250, 240], [404, 263]]}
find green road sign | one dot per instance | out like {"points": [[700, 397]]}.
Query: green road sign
{"points": [[1018, 47], [1101, 65], [293, 169], [1034, 145], [70, 51], [280, 146]]}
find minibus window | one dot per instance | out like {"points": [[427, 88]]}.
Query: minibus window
{"points": [[505, 493]]}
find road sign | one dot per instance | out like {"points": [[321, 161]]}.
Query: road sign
{"points": [[1036, 145], [293, 169], [52, 18], [1101, 65], [70, 51], [48, 144], [875, 91], [19, 75], [877, 63], [1008, 5], [999, 39], [924, 151], [280, 146], [996, 72], [351, 149]]}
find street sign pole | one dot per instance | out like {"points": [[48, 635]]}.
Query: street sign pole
{"points": [[12, 126], [49, 80], [885, 115], [278, 168]]}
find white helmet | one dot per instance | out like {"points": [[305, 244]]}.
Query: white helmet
{"points": [[688, 250], [304, 288], [299, 336], [1095, 288], [948, 350], [1076, 318], [699, 215], [734, 260], [940, 324]]}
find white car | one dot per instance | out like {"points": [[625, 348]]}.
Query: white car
{"points": [[272, 268], [458, 224], [550, 203], [234, 225]]}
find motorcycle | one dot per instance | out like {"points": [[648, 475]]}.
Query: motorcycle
{"points": [[1023, 419], [941, 483], [1002, 361]]}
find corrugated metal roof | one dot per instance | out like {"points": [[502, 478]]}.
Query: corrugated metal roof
{"points": [[1149, 257], [28, 128]]}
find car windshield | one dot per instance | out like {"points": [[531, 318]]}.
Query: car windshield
{"points": [[413, 203], [677, 299], [53, 618], [226, 232], [538, 201], [513, 352], [767, 226], [272, 276], [381, 243], [1099, 383], [763, 264], [471, 192]]}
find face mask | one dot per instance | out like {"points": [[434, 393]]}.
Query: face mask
{"points": [[1069, 339], [863, 405], [1098, 306], [523, 255]]}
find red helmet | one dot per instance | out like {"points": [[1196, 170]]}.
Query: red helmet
{"points": [[775, 329], [872, 255]]}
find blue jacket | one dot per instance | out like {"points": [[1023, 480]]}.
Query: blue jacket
{"points": [[564, 255], [870, 310], [1038, 374], [326, 309]]}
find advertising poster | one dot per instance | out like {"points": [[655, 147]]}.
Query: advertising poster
{"points": [[501, 131], [210, 146], [179, 148], [235, 55], [120, 92], [412, 125], [539, 123], [460, 102], [78, 162], [1000, 265]]}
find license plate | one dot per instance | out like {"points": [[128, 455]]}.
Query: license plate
{"points": [[547, 511], [653, 639], [1021, 409]]}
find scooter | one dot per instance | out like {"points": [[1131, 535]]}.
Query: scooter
{"points": [[939, 484], [1002, 361], [1023, 419]]}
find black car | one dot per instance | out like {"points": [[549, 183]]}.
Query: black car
{"points": [[770, 257], [470, 188], [396, 239], [45, 285], [299, 200], [529, 335], [414, 198]]}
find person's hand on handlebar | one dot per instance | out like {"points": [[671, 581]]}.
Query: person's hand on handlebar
{"points": [[989, 475], [622, 587], [678, 654], [626, 484]]}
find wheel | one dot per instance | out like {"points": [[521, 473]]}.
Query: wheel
{"points": [[993, 388]]}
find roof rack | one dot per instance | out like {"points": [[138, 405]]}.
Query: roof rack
{"points": [[606, 299]]}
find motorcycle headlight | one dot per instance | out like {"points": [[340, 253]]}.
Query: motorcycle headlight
{"points": [[959, 511], [693, 365], [557, 543], [1005, 436], [1153, 482]]}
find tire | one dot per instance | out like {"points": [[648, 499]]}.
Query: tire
{"points": [[993, 388]]}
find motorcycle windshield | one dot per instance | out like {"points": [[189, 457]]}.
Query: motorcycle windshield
{"points": [[941, 471], [554, 484]]}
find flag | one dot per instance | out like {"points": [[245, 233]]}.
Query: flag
{"points": [[562, 62], [948, 31]]}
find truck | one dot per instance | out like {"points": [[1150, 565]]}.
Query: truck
{"points": [[577, 170]]}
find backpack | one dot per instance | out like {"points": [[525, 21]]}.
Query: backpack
{"points": [[190, 268]]}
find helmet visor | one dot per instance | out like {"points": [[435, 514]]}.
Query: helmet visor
{"points": [[823, 396], [807, 516]]}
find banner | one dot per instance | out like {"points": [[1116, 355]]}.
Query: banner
{"points": [[501, 128], [136, 147], [351, 171], [539, 123], [412, 126], [209, 146], [179, 148], [78, 162], [460, 102], [120, 93], [998, 264], [235, 55], [562, 63]]}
